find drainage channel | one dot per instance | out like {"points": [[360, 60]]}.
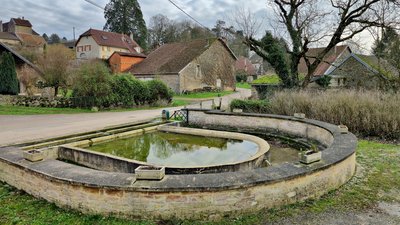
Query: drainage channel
{"points": [[88, 135]]}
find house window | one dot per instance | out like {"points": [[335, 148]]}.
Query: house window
{"points": [[103, 48], [198, 72], [108, 48]]}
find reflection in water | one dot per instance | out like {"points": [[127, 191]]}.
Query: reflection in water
{"points": [[170, 149], [279, 154]]}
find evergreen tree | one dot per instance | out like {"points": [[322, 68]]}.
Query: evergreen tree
{"points": [[45, 37], [54, 39], [8, 75], [125, 16]]}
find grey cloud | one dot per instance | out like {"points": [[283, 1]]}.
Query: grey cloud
{"points": [[59, 16]]}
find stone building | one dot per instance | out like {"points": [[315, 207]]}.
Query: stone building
{"points": [[190, 66], [28, 74], [18, 33], [98, 44], [244, 66]]}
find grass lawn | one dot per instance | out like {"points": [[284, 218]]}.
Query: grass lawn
{"points": [[243, 85], [200, 95], [378, 179], [22, 110], [268, 79]]}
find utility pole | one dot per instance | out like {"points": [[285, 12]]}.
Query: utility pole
{"points": [[73, 30]]}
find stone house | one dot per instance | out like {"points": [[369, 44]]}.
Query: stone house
{"points": [[357, 73], [244, 66], [121, 61], [18, 33], [98, 44], [190, 66], [28, 74], [330, 62]]}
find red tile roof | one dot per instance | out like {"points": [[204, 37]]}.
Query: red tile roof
{"points": [[111, 39], [22, 22], [327, 61], [134, 54], [31, 40], [244, 64]]}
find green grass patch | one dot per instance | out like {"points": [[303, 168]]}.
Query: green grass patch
{"points": [[268, 79], [22, 110], [243, 85], [200, 95], [378, 180]]}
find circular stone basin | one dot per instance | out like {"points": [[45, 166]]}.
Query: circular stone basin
{"points": [[179, 150]]}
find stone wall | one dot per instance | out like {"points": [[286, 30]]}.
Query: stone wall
{"points": [[193, 196], [35, 101], [151, 204], [259, 122]]}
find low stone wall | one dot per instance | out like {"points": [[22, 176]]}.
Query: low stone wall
{"points": [[192, 196], [262, 123], [182, 197], [104, 162], [35, 101]]}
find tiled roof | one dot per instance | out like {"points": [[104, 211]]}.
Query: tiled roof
{"points": [[8, 36], [31, 40], [244, 64], [134, 54], [22, 22], [172, 58], [327, 61], [104, 38]]}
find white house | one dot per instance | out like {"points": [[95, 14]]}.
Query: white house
{"points": [[98, 44]]}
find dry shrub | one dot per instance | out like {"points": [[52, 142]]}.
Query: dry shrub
{"points": [[368, 113]]}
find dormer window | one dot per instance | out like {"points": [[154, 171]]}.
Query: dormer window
{"points": [[104, 37]]}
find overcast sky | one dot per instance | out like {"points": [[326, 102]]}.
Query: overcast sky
{"points": [[60, 16]]}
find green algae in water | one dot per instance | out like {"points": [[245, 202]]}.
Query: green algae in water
{"points": [[179, 150]]}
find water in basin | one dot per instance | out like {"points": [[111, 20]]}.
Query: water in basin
{"points": [[179, 150]]}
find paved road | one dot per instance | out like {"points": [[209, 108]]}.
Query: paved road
{"points": [[17, 129]]}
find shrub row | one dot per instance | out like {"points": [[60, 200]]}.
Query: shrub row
{"points": [[252, 106], [367, 113], [95, 86]]}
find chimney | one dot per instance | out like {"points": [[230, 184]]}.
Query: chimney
{"points": [[1, 26]]}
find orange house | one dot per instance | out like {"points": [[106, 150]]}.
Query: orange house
{"points": [[121, 61]]}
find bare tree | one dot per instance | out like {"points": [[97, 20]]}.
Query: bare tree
{"points": [[55, 66], [159, 26], [314, 21]]}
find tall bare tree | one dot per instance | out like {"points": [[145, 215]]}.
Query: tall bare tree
{"points": [[327, 21]]}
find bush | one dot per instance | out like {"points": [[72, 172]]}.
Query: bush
{"points": [[241, 76], [368, 113], [324, 81], [158, 91], [9, 84], [251, 106], [122, 88], [92, 86], [128, 90], [140, 91]]}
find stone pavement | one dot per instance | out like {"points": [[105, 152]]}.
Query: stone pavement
{"points": [[17, 129]]}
